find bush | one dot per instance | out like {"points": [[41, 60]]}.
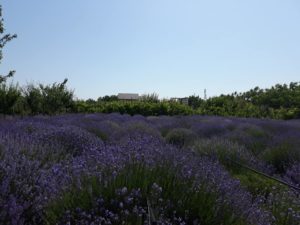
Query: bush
{"points": [[209, 129], [33, 98], [225, 151], [105, 130], [181, 137], [56, 98], [293, 174], [150, 98], [9, 95], [282, 156], [136, 192], [73, 140], [139, 128], [252, 136]]}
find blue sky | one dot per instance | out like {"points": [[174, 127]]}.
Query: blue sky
{"points": [[174, 48]]}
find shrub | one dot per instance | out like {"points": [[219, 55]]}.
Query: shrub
{"points": [[141, 128], [181, 137], [150, 98], [282, 156], [293, 174], [72, 139], [33, 98], [253, 137], [138, 192], [9, 95], [209, 129], [106, 130], [56, 98], [224, 150]]}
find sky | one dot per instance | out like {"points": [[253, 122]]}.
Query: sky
{"points": [[174, 48]]}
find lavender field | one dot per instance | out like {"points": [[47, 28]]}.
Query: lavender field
{"points": [[121, 169]]}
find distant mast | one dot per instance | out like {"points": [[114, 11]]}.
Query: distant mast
{"points": [[205, 97]]}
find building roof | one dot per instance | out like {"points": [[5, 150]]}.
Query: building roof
{"points": [[128, 96]]}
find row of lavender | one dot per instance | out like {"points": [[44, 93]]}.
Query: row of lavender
{"points": [[118, 169]]}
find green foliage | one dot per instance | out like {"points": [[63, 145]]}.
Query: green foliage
{"points": [[278, 102], [195, 101], [104, 129], [181, 137], [282, 156], [133, 108], [278, 198], [224, 151], [282, 205], [90, 101], [253, 137], [108, 98], [9, 95], [47, 99], [201, 203], [255, 183], [56, 98], [142, 128], [153, 98], [276, 97], [33, 98]]}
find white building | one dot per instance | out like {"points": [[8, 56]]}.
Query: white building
{"points": [[128, 96]]}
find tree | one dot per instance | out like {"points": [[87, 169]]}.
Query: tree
{"points": [[9, 95], [195, 101], [4, 39], [108, 98], [33, 98], [153, 98], [56, 98]]}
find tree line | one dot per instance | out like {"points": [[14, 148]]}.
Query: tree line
{"points": [[277, 102], [281, 101]]}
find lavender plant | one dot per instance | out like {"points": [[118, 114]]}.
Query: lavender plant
{"points": [[118, 169]]}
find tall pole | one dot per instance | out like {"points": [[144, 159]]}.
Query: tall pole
{"points": [[205, 96]]}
